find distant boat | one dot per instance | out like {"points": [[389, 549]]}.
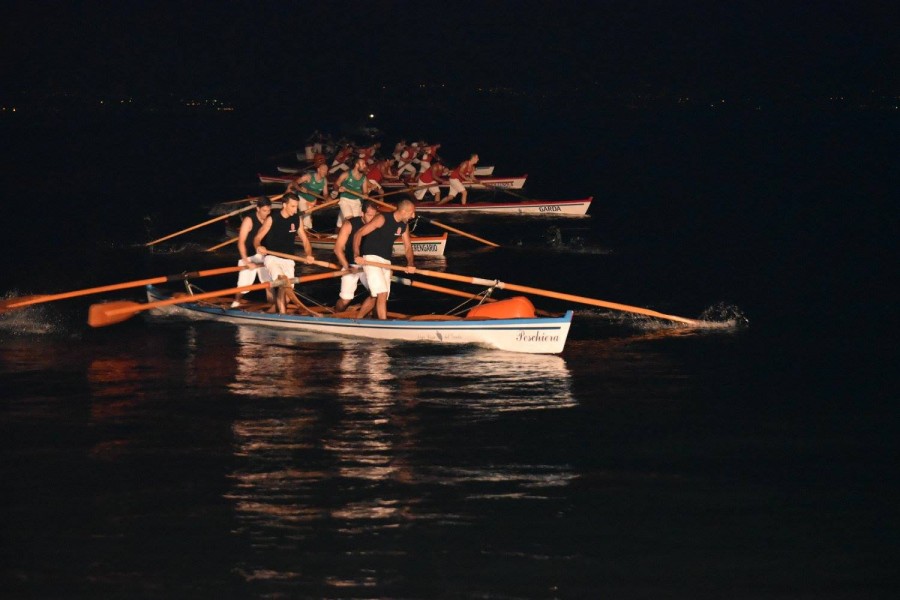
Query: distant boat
{"points": [[422, 245], [562, 208], [479, 171]]}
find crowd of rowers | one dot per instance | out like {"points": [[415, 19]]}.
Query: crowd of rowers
{"points": [[364, 233], [359, 171]]}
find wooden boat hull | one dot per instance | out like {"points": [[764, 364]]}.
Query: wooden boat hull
{"points": [[539, 335], [422, 245], [480, 171], [485, 183], [552, 208]]}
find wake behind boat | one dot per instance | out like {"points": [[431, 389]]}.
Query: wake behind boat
{"points": [[509, 325]]}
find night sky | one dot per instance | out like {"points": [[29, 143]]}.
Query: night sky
{"points": [[243, 50]]}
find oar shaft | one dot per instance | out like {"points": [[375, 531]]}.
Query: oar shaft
{"points": [[218, 293], [121, 286], [463, 233], [222, 245], [549, 294], [409, 189], [199, 225]]}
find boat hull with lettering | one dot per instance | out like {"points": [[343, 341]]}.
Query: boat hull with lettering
{"points": [[422, 245], [483, 183], [551, 208], [535, 335]]}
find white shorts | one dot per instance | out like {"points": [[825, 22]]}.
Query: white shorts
{"points": [[349, 283], [456, 187], [278, 266], [305, 205], [247, 276], [434, 190], [379, 278], [350, 207]]}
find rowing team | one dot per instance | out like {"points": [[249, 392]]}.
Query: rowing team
{"points": [[413, 157], [368, 233], [362, 178]]}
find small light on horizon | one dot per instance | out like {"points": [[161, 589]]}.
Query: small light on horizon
{"points": [[371, 116]]}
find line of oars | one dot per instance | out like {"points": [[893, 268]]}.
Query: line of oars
{"points": [[109, 312]]}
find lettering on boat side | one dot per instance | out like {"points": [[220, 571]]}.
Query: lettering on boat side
{"points": [[536, 337], [425, 247], [553, 208]]}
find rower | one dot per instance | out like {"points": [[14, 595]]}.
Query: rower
{"points": [[280, 231], [374, 242], [352, 185], [250, 226], [350, 281]]}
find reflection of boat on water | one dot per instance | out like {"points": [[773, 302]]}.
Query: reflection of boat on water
{"points": [[501, 381]]}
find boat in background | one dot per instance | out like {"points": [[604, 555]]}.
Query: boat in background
{"points": [[480, 171], [422, 245], [509, 325], [485, 183], [560, 208]]}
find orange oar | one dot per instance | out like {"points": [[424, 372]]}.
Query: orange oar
{"points": [[199, 225], [450, 291], [108, 313], [242, 200], [409, 189], [29, 300], [539, 292]]}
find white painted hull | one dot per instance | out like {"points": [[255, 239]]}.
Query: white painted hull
{"points": [[543, 335], [431, 245], [485, 183], [479, 171], [545, 208]]}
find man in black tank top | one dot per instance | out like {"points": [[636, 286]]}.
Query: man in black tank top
{"points": [[350, 281], [250, 226], [280, 232], [374, 244]]}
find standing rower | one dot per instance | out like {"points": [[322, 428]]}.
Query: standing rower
{"points": [[280, 232], [374, 242]]}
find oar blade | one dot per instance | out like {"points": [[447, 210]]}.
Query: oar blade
{"points": [[21, 301], [110, 313]]}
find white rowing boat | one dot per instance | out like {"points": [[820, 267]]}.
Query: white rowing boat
{"points": [[484, 183], [422, 245], [528, 334], [480, 171], [555, 208]]}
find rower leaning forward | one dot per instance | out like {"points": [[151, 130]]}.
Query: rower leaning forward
{"points": [[374, 243], [351, 186], [280, 231]]}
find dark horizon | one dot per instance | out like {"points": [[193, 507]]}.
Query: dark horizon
{"points": [[296, 52]]}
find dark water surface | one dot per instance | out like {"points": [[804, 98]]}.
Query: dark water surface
{"points": [[163, 458]]}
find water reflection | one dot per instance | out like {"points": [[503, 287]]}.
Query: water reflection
{"points": [[328, 486]]}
